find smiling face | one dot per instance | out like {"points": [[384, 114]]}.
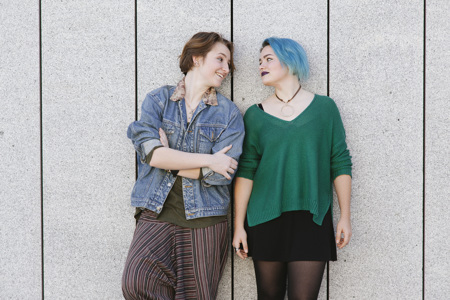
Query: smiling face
{"points": [[215, 66], [270, 67]]}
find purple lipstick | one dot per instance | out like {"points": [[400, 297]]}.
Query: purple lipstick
{"points": [[264, 73]]}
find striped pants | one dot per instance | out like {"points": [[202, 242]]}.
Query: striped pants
{"points": [[166, 261]]}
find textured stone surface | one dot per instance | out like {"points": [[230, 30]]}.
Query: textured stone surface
{"points": [[89, 165], [88, 101], [20, 194], [303, 21], [376, 80], [437, 205], [158, 52]]}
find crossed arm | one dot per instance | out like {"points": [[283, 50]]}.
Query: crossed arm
{"points": [[189, 164]]}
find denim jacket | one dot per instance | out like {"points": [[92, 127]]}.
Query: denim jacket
{"points": [[216, 123]]}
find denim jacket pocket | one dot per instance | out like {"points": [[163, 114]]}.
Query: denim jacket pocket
{"points": [[207, 137]]}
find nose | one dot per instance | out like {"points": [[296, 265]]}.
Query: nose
{"points": [[261, 66], [226, 68]]}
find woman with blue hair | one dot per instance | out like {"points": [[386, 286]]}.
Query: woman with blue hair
{"points": [[294, 150]]}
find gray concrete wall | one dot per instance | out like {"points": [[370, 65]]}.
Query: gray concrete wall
{"points": [[67, 168], [437, 188], [376, 79], [20, 167]]}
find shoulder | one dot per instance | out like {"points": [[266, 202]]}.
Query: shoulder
{"points": [[323, 100], [225, 102], [252, 118], [251, 111], [326, 103], [163, 92], [159, 96], [227, 106]]}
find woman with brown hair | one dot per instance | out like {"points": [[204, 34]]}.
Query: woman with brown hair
{"points": [[188, 140]]}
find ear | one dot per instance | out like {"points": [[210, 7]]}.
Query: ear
{"points": [[197, 60]]}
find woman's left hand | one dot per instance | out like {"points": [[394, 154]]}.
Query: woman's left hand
{"points": [[163, 138], [343, 232]]}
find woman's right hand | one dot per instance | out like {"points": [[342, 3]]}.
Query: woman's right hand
{"points": [[222, 163], [240, 237]]}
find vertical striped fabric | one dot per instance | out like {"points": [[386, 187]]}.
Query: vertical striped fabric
{"points": [[167, 261]]}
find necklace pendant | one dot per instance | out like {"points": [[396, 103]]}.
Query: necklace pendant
{"points": [[287, 110]]}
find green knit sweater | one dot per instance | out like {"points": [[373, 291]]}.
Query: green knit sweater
{"points": [[293, 163]]}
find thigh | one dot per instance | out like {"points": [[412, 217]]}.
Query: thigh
{"points": [[149, 271], [270, 279], [201, 257], [304, 279]]}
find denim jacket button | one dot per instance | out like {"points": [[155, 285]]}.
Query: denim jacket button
{"points": [[169, 184]]}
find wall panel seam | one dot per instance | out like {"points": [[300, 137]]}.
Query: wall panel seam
{"points": [[232, 194], [41, 150], [135, 79], [424, 146], [328, 94]]}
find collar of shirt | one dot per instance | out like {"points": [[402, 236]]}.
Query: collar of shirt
{"points": [[209, 97]]}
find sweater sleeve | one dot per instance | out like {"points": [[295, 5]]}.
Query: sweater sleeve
{"points": [[249, 161], [340, 156]]}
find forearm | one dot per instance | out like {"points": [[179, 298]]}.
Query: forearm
{"points": [[190, 173], [242, 191], [343, 186], [170, 159]]}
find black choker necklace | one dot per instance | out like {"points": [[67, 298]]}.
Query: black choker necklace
{"points": [[287, 110]]}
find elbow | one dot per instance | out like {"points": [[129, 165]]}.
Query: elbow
{"points": [[152, 163], [156, 158]]}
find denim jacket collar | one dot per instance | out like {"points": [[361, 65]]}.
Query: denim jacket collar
{"points": [[209, 97]]}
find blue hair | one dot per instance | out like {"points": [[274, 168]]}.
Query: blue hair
{"points": [[291, 54]]}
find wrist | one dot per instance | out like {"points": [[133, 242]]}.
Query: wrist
{"points": [[207, 160], [238, 225], [345, 215]]}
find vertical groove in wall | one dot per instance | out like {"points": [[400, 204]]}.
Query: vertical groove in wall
{"points": [[232, 194], [328, 94], [424, 140], [328, 48], [135, 79], [41, 148]]}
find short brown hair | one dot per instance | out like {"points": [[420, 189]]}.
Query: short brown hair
{"points": [[199, 45]]}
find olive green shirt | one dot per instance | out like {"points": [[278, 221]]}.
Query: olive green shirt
{"points": [[173, 209]]}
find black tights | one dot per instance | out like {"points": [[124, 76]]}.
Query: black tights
{"points": [[303, 279]]}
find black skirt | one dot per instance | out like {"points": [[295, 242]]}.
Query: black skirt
{"points": [[292, 237]]}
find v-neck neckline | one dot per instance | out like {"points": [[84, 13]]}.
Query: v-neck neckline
{"points": [[297, 117]]}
